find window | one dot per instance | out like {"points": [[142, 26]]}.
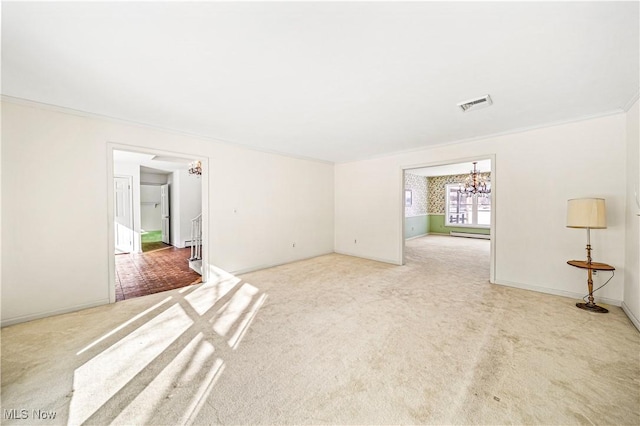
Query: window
{"points": [[467, 210], [408, 199]]}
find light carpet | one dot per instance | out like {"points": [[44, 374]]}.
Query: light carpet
{"points": [[334, 339]]}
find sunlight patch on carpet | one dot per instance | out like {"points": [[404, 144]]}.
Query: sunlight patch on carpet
{"points": [[167, 362], [232, 310], [175, 381], [123, 325], [106, 374], [201, 395], [244, 325], [203, 298]]}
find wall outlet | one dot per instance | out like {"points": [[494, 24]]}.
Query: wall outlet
{"points": [[594, 272]]}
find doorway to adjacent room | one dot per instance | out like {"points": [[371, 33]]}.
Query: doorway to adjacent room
{"points": [[450, 200], [158, 224]]}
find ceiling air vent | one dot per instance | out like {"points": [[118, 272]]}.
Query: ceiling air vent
{"points": [[477, 103]]}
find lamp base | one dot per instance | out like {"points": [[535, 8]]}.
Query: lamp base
{"points": [[592, 307]]}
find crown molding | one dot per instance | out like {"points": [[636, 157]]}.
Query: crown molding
{"points": [[493, 135], [71, 111], [86, 114], [631, 102]]}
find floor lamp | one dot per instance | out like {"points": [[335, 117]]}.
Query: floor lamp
{"points": [[589, 213]]}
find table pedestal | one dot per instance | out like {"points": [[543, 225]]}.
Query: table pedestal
{"points": [[590, 267]]}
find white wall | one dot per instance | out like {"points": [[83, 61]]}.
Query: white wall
{"points": [[133, 170], [150, 210], [61, 202], [269, 203], [535, 173], [190, 203], [185, 199], [153, 178], [1, 218], [631, 303]]}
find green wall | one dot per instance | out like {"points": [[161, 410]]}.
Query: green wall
{"points": [[436, 225]]}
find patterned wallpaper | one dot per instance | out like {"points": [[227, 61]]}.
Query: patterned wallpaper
{"points": [[436, 190], [418, 186]]}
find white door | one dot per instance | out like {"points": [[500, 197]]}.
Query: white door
{"points": [[164, 211], [123, 214]]}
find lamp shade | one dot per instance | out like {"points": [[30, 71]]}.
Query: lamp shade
{"points": [[586, 213]]}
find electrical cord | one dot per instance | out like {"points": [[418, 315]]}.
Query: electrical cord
{"points": [[606, 282]]}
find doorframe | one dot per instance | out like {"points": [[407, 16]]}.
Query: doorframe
{"points": [[165, 206], [494, 197], [131, 222], [113, 146]]}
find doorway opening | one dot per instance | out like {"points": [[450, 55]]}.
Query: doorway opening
{"points": [[436, 207], [156, 207]]}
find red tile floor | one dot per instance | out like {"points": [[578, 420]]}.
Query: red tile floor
{"points": [[139, 274]]}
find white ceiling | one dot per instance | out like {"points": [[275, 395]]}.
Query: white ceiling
{"points": [[151, 163], [335, 81], [452, 169]]}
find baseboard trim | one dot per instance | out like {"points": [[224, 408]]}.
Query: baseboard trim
{"points": [[635, 321], [555, 292], [470, 235], [417, 236], [273, 265], [31, 317], [377, 259]]}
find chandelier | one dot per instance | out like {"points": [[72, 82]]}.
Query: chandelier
{"points": [[195, 168], [475, 184]]}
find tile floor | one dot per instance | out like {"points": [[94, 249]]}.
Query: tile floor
{"points": [[139, 274]]}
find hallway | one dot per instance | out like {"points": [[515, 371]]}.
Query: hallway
{"points": [[140, 274]]}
